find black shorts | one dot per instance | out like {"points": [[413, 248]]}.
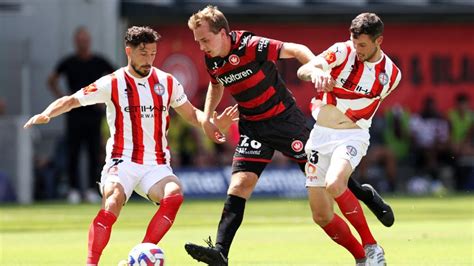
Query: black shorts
{"points": [[286, 133]]}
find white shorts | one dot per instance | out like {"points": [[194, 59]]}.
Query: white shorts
{"points": [[133, 176], [327, 143]]}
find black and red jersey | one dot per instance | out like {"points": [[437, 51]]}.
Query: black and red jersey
{"points": [[250, 74]]}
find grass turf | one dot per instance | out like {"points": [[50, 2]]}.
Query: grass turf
{"points": [[427, 231]]}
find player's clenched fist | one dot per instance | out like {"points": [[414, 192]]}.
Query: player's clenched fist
{"points": [[37, 119], [323, 82]]}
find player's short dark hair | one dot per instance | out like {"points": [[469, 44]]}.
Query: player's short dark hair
{"points": [[366, 23], [137, 35], [214, 17]]}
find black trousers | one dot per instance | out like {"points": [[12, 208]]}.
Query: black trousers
{"points": [[83, 131]]}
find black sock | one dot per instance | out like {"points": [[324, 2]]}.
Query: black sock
{"points": [[362, 194], [231, 218]]}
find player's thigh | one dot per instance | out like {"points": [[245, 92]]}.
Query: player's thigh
{"points": [[119, 176], [339, 171], [167, 186], [345, 158], [157, 182]]}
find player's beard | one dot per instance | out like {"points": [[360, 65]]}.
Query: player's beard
{"points": [[372, 55], [143, 73]]}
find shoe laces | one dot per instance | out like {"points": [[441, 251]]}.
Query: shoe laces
{"points": [[209, 242]]}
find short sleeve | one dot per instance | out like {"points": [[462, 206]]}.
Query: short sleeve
{"points": [[178, 97], [265, 49], [333, 56], [97, 92]]}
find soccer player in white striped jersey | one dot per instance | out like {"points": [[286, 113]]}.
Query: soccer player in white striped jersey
{"points": [[351, 78], [138, 98]]}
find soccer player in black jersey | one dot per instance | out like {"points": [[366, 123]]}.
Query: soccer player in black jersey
{"points": [[245, 65]]}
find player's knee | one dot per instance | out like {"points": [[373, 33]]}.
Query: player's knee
{"points": [[174, 192], [115, 201], [336, 187], [242, 183], [172, 189], [321, 218]]}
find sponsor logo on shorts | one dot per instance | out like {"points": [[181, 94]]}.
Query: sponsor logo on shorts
{"points": [[310, 170], [351, 150], [297, 145], [245, 151]]}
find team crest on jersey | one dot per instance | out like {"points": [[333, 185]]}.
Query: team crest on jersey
{"points": [[330, 57], [297, 145], [89, 89], [383, 78], [159, 89], [234, 59]]}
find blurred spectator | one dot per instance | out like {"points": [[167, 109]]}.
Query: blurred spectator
{"points": [[48, 170], [396, 133], [461, 121], [379, 166], [83, 125], [430, 132], [390, 145], [7, 193], [3, 107]]}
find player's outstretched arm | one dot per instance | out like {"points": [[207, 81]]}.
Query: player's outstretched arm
{"points": [[299, 51], [58, 107], [197, 118]]}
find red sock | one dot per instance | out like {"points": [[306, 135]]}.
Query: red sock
{"points": [[353, 212], [163, 219], [340, 233], [99, 235]]}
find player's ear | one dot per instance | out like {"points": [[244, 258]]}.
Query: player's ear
{"points": [[223, 32], [128, 50], [379, 40]]}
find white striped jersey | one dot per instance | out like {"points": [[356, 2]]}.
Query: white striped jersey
{"points": [[137, 113], [360, 86]]}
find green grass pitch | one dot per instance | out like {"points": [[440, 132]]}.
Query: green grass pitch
{"points": [[427, 231]]}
